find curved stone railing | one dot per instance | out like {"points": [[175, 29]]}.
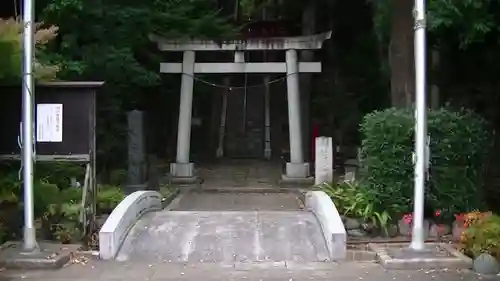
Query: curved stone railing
{"points": [[123, 217], [331, 223]]}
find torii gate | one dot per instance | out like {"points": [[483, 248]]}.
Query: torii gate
{"points": [[296, 169]]}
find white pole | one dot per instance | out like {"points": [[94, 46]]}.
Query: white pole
{"points": [[28, 92], [417, 241]]}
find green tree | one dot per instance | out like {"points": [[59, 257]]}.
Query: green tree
{"points": [[11, 31], [449, 22], [109, 41]]}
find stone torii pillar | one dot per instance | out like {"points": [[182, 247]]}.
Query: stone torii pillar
{"points": [[296, 168], [183, 168]]}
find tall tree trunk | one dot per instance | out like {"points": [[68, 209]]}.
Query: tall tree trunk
{"points": [[401, 56], [434, 91]]}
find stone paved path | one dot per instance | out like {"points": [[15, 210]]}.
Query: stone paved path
{"points": [[284, 271], [195, 201], [232, 173]]}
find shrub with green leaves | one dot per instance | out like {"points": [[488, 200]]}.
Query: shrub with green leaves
{"points": [[458, 147], [108, 197], [354, 201]]}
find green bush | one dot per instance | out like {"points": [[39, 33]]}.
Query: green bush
{"points": [[60, 174], [56, 210], [44, 195], [459, 143], [71, 195], [108, 197], [118, 177], [354, 201]]}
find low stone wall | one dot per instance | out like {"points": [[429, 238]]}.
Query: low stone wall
{"points": [[331, 223], [123, 217]]}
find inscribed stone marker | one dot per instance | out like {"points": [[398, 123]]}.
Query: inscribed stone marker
{"points": [[324, 160], [136, 151]]}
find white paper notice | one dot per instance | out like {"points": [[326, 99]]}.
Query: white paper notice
{"points": [[49, 122]]}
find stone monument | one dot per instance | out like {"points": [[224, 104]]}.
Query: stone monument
{"points": [[136, 176], [324, 160]]}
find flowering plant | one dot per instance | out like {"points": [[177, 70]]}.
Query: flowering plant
{"points": [[465, 220], [408, 218], [438, 222], [481, 236]]}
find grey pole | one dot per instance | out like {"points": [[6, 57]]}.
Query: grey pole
{"points": [[28, 93], [417, 241]]}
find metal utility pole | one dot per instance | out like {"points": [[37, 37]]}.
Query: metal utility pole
{"points": [[27, 135], [417, 241]]}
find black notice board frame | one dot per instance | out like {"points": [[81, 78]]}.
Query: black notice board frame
{"points": [[79, 121], [78, 143]]}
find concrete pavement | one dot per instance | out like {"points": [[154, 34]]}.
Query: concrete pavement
{"points": [[278, 271]]}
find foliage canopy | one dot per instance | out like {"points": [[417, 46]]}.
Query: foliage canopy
{"points": [[11, 31]]}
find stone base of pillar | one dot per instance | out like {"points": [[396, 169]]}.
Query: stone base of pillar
{"points": [[267, 153], [182, 170], [186, 182], [297, 175], [182, 174], [297, 170], [287, 182]]}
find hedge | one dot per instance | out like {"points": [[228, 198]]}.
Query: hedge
{"points": [[458, 148]]}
